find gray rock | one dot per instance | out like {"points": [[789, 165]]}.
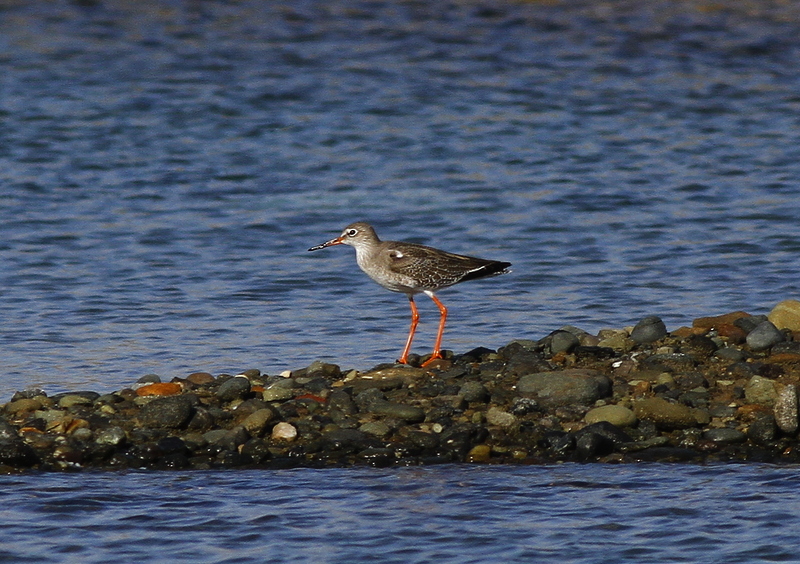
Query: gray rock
{"points": [[257, 421], [559, 341], [110, 436], [725, 436], [729, 353], [749, 322], [763, 430], [234, 388], [761, 390], [172, 412], [649, 329], [786, 409], [564, 387], [764, 335], [377, 428], [406, 413], [473, 391], [496, 416]]}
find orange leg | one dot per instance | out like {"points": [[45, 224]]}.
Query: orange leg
{"points": [[438, 344], [414, 320]]}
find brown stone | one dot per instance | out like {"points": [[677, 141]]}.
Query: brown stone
{"points": [[715, 321], [683, 332], [731, 332], [786, 315], [161, 389], [200, 378]]}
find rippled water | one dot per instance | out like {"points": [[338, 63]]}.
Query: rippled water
{"points": [[569, 513], [165, 168]]}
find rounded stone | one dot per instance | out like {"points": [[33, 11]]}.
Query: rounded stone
{"points": [[256, 421], [234, 388], [171, 412], [725, 436], [649, 329], [479, 453], [565, 387], [786, 315], [277, 393], [473, 391], [406, 413], [764, 336], [669, 416], [160, 389], [761, 390], [110, 436], [200, 378], [786, 409], [71, 400], [377, 428], [496, 416], [284, 432], [23, 405], [618, 415]]}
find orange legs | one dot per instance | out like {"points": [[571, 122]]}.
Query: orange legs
{"points": [[415, 320]]}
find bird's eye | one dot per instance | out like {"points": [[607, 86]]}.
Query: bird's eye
{"points": [[352, 232]]}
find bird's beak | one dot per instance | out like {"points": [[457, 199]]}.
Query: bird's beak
{"points": [[332, 242]]}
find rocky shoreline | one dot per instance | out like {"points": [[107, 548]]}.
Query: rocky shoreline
{"points": [[724, 389]]}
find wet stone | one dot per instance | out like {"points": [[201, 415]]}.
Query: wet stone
{"points": [[172, 412], [617, 415], [559, 342], [648, 330], [284, 432], [785, 409], [761, 390], [200, 378], [764, 335], [473, 392], [496, 416], [763, 430], [563, 387], [110, 436], [668, 415], [732, 354], [725, 436], [257, 421], [749, 323], [234, 389], [406, 413]]}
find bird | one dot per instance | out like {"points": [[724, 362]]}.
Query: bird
{"points": [[411, 269]]}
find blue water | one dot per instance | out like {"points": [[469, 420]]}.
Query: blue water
{"points": [[453, 513], [165, 166]]}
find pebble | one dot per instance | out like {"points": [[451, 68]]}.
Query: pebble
{"points": [[235, 388], [617, 415], [667, 415], [764, 335], [563, 387], [761, 391], [159, 389], [715, 321], [479, 453], [277, 393], [473, 391], [499, 417], [257, 421], [172, 412], [725, 436], [407, 413], [200, 378], [377, 428], [648, 330], [785, 409], [284, 432], [786, 315]]}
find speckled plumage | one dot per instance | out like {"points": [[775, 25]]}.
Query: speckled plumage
{"points": [[411, 269]]}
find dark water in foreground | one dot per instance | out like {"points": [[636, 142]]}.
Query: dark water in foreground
{"points": [[449, 514]]}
